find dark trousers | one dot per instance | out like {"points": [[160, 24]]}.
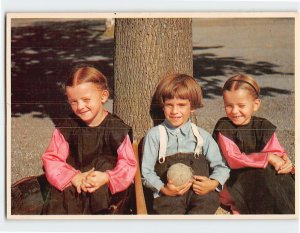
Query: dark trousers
{"points": [[262, 191], [189, 203]]}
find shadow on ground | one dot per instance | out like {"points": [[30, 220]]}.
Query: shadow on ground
{"points": [[208, 65], [43, 53]]}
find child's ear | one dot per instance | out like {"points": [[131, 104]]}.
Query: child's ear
{"points": [[256, 104], [104, 96]]}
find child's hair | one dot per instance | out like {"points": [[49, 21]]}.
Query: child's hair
{"points": [[179, 86], [242, 81], [86, 73]]}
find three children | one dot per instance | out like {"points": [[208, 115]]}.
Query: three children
{"points": [[90, 156]]}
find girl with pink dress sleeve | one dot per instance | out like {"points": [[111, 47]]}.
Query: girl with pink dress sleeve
{"points": [[90, 156], [261, 180]]}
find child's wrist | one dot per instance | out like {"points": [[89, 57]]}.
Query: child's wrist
{"points": [[215, 184], [106, 177], [75, 180], [269, 156], [164, 190], [74, 177]]}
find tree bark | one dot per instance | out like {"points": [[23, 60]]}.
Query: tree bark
{"points": [[145, 51]]}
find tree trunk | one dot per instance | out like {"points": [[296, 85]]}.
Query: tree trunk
{"points": [[145, 51]]}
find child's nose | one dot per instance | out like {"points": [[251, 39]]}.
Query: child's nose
{"points": [[235, 109], [174, 109], [80, 105]]}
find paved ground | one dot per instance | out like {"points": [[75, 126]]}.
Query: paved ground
{"points": [[42, 51]]}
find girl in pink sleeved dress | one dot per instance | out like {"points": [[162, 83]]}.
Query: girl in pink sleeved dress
{"points": [[261, 180], [90, 156]]}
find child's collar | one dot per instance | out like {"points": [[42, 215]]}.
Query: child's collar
{"points": [[183, 128]]}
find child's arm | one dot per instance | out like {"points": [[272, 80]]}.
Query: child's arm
{"points": [[121, 176], [203, 185], [150, 155], [58, 172], [277, 156], [219, 169], [236, 159]]}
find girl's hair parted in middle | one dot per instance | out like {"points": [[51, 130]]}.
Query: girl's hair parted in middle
{"points": [[242, 81], [85, 73]]}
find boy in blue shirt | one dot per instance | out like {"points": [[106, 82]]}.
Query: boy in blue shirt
{"points": [[177, 140]]}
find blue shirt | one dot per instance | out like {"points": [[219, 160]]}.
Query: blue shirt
{"points": [[180, 140]]}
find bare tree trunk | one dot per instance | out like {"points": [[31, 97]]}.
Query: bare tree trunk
{"points": [[145, 51]]}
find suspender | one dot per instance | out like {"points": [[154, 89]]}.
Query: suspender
{"points": [[163, 140], [162, 144], [199, 141]]}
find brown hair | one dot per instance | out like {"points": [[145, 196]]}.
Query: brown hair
{"points": [[85, 73], [242, 81], [179, 86]]}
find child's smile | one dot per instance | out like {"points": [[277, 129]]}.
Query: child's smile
{"points": [[177, 111], [87, 101], [239, 106]]}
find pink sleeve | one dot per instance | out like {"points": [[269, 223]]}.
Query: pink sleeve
{"points": [[58, 172], [123, 174], [273, 145], [236, 159]]}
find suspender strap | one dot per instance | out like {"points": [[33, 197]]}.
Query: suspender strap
{"points": [[199, 140], [163, 142]]}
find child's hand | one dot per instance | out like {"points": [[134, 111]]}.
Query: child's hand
{"points": [[95, 180], [287, 166], [277, 161], [171, 190], [203, 185], [78, 179]]}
